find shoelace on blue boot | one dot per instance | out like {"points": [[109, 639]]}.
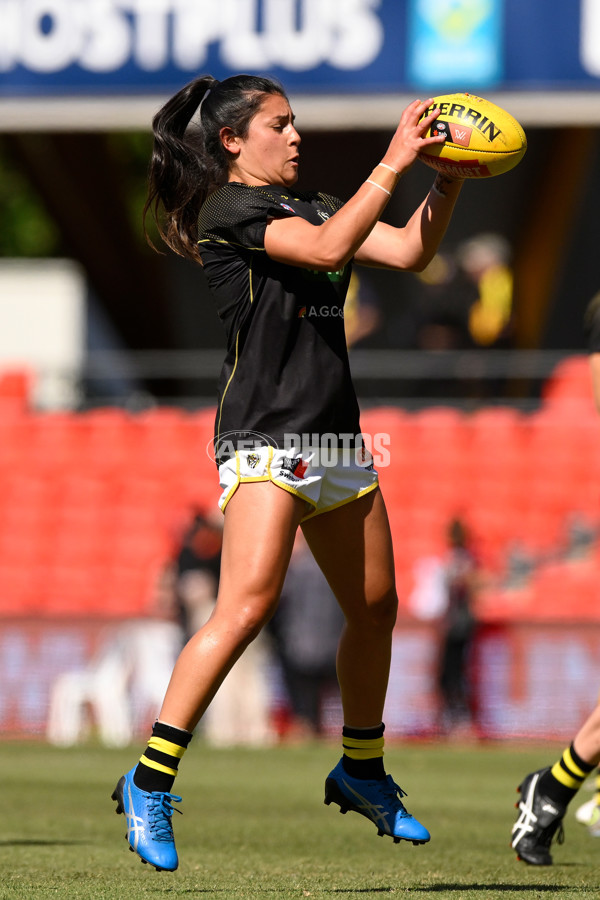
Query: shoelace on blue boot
{"points": [[395, 793], [160, 814]]}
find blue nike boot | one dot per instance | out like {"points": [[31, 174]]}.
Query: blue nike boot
{"points": [[377, 800]]}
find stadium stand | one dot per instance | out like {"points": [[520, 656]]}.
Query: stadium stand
{"points": [[92, 504]]}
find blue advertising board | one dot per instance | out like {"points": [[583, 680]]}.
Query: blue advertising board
{"points": [[136, 47]]}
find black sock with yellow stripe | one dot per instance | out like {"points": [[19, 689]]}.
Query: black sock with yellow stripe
{"points": [[565, 777], [363, 752], [157, 767]]}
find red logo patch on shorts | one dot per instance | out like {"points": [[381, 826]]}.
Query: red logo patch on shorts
{"points": [[296, 466]]}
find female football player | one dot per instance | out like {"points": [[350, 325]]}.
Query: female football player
{"points": [[287, 434]]}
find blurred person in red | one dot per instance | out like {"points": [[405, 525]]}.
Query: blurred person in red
{"points": [[546, 793]]}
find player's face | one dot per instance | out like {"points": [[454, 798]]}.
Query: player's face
{"points": [[269, 152]]}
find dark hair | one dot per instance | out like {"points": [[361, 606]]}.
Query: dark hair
{"points": [[189, 160]]}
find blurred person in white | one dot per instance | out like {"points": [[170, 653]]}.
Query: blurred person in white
{"points": [[239, 714], [546, 793], [123, 684]]}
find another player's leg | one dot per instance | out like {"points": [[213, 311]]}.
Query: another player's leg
{"points": [[352, 544], [589, 812], [260, 524], [587, 743], [545, 795]]}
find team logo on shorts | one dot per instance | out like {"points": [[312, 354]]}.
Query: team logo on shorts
{"points": [[295, 466], [253, 460]]}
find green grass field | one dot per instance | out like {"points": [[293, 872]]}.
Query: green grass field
{"points": [[255, 826]]}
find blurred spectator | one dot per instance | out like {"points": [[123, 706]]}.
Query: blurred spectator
{"points": [[362, 316], [458, 626], [445, 296], [485, 259], [197, 568], [582, 535], [122, 686], [520, 565], [428, 598], [240, 712], [306, 629]]}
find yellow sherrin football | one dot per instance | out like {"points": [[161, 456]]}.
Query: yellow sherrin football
{"points": [[481, 138]]}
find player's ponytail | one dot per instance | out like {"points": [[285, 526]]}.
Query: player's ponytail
{"points": [[189, 160]]}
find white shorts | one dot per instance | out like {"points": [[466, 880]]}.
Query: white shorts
{"points": [[325, 479]]}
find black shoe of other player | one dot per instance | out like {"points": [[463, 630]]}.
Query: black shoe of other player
{"points": [[539, 820]]}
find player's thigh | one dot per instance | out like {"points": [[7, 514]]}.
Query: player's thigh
{"points": [[353, 547], [260, 525]]}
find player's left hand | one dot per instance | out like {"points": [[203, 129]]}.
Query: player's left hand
{"points": [[410, 138]]}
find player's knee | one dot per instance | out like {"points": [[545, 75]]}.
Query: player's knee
{"points": [[253, 615], [383, 610], [378, 613]]}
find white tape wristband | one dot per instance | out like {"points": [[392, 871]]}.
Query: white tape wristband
{"points": [[374, 183], [385, 166]]}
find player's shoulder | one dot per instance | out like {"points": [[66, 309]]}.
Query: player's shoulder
{"points": [[235, 202], [235, 194], [328, 200]]}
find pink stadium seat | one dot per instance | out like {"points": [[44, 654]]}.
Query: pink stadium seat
{"points": [[19, 592], [16, 387], [128, 589], [569, 591], [73, 589], [55, 443], [14, 440], [111, 440], [393, 429], [166, 438], [93, 504], [570, 383], [495, 424]]}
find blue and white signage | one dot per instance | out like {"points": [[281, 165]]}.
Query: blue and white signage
{"points": [[455, 40], [83, 47]]}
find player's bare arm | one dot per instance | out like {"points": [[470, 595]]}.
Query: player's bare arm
{"points": [[330, 246], [412, 247]]}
